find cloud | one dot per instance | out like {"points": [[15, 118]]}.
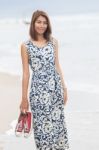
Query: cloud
{"points": [[21, 8]]}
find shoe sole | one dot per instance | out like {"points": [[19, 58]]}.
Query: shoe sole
{"points": [[18, 134], [26, 135]]}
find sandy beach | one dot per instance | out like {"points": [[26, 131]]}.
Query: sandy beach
{"points": [[79, 59], [10, 94], [83, 125]]}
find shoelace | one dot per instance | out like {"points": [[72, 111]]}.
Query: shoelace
{"points": [[26, 126], [19, 125]]}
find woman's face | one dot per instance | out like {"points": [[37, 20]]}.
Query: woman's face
{"points": [[40, 25]]}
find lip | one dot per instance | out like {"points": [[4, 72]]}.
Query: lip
{"points": [[41, 29]]}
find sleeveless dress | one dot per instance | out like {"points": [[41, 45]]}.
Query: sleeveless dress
{"points": [[46, 99]]}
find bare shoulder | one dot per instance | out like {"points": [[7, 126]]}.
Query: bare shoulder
{"points": [[23, 46], [54, 40], [24, 51]]}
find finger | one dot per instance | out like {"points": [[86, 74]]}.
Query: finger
{"points": [[23, 111], [20, 106]]}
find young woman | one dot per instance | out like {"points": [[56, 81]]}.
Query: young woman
{"points": [[48, 92]]}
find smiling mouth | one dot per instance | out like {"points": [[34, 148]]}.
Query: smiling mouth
{"points": [[41, 29]]}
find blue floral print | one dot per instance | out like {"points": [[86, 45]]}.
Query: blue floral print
{"points": [[46, 99]]}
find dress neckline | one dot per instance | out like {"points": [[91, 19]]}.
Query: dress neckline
{"points": [[40, 47]]}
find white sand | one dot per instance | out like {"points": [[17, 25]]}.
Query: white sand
{"points": [[83, 131], [79, 58], [82, 121], [10, 91]]}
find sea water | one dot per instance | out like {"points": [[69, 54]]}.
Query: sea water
{"points": [[78, 38]]}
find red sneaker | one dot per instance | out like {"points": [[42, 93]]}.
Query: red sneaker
{"points": [[27, 124], [20, 124]]}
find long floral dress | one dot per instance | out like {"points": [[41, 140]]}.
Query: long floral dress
{"points": [[46, 99]]}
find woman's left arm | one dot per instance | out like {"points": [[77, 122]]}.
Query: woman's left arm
{"points": [[59, 70]]}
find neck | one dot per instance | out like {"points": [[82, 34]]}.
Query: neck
{"points": [[40, 37]]}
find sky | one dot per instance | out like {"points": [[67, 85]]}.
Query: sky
{"points": [[22, 8]]}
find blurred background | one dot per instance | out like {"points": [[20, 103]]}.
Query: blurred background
{"points": [[75, 24]]}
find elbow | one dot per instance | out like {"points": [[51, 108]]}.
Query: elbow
{"points": [[26, 75]]}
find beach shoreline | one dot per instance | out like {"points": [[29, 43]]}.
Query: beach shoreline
{"points": [[82, 122], [10, 95]]}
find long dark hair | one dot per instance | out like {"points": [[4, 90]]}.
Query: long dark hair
{"points": [[48, 31]]}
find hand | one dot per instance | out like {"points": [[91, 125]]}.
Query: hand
{"points": [[24, 106], [65, 96]]}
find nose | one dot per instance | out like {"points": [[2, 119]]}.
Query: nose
{"points": [[42, 25]]}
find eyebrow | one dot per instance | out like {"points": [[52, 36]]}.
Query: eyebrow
{"points": [[40, 20]]}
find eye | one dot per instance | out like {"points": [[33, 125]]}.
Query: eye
{"points": [[38, 21], [45, 22]]}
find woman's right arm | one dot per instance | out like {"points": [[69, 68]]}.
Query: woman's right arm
{"points": [[25, 78]]}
